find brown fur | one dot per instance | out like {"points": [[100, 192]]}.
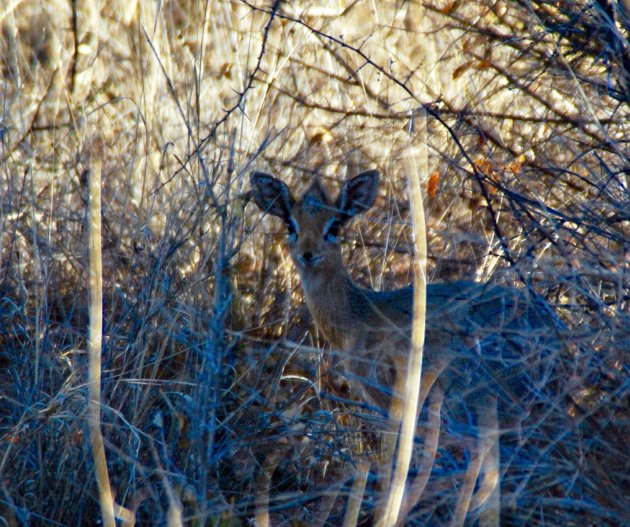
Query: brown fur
{"points": [[371, 329]]}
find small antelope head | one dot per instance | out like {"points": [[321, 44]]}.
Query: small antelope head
{"points": [[313, 221]]}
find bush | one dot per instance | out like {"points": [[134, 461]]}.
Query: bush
{"points": [[217, 402]]}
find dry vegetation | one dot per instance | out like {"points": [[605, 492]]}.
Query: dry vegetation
{"points": [[217, 404]]}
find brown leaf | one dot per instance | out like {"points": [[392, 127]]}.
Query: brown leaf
{"points": [[432, 184], [450, 8], [460, 70], [516, 166]]}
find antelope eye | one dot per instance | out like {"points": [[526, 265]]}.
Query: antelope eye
{"points": [[293, 230], [331, 231]]}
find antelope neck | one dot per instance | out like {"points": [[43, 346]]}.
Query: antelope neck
{"points": [[329, 300]]}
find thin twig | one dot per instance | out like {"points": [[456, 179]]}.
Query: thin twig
{"points": [[351, 517], [414, 368], [273, 11], [95, 293]]}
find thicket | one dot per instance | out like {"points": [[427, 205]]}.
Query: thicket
{"points": [[218, 403]]}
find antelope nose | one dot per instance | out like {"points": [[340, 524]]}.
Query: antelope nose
{"points": [[307, 258]]}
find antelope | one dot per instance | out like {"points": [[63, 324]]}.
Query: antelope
{"points": [[474, 332]]}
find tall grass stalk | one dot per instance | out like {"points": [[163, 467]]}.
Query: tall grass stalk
{"points": [[95, 339]]}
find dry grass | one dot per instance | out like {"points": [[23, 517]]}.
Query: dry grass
{"points": [[216, 395]]}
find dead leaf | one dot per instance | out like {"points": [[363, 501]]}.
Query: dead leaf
{"points": [[432, 184], [460, 70]]}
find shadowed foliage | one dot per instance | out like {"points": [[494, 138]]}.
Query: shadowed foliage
{"points": [[221, 403]]}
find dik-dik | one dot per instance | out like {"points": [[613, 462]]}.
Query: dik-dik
{"points": [[477, 335]]}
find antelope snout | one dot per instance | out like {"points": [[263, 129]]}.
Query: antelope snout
{"points": [[308, 259]]}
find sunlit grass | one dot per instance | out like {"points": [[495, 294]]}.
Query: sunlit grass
{"points": [[210, 361]]}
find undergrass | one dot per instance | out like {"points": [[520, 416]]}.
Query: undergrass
{"points": [[216, 394]]}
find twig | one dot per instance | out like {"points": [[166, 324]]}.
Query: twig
{"points": [[339, 42], [241, 96], [263, 482], [430, 445], [356, 494], [414, 367], [95, 293]]}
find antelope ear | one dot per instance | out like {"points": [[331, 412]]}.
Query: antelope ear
{"points": [[357, 195], [271, 195]]}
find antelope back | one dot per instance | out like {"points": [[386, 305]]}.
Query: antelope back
{"points": [[373, 327]]}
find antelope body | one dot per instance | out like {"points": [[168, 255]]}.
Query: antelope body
{"points": [[477, 335]]}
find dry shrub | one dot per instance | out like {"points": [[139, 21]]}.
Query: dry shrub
{"points": [[214, 388]]}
